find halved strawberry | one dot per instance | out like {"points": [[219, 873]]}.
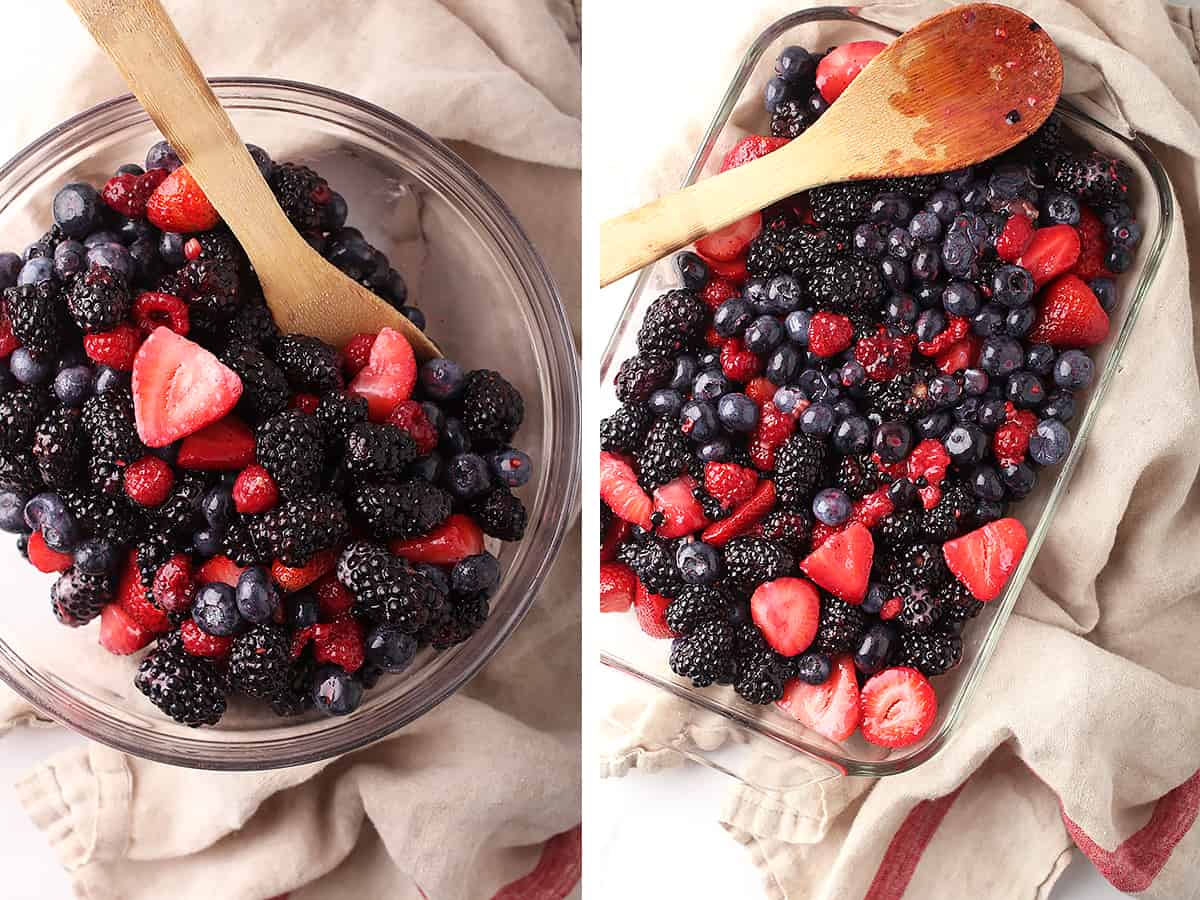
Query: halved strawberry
{"points": [[226, 445], [730, 269], [357, 352], [1014, 237], [178, 388], [1070, 315], [619, 488], [984, 558], [456, 538], [618, 530], [1092, 246], [389, 376], [681, 511], [119, 633], [731, 484], [219, 568], [842, 565], [898, 707], [45, 559], [179, 205], [748, 148], [133, 598], [618, 585], [841, 65], [199, 642], [651, 610], [831, 709], [1051, 252], [296, 578], [742, 519], [728, 243], [786, 611]]}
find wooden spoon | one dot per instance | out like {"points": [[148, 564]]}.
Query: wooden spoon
{"points": [[955, 90], [306, 293]]}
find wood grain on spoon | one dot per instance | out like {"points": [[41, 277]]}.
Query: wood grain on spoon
{"points": [[306, 293], [955, 90]]}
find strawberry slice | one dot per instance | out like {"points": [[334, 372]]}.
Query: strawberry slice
{"points": [[681, 511], [1014, 237], [45, 559], [618, 586], [1070, 315], [841, 65], [728, 243], [842, 564], [731, 484], [455, 539], [730, 269], [219, 568], [178, 388], [1051, 252], [199, 642], [119, 633], [179, 205], [831, 709], [898, 707], [786, 610], [389, 376], [1092, 246], [134, 600], [984, 558], [227, 445], [618, 530], [750, 148], [297, 578], [742, 519], [651, 610], [619, 488]]}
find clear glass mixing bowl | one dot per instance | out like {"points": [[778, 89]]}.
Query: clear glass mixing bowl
{"points": [[490, 303]]}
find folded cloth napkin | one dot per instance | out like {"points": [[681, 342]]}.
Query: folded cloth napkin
{"points": [[1085, 731], [481, 797]]}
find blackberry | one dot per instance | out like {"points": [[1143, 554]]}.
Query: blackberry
{"points": [[500, 514], [265, 391], [492, 409], [294, 695], [641, 375], [59, 446], [625, 430], [291, 446], [953, 515], [709, 505], [212, 291], [839, 627], [186, 688], [361, 564], [846, 285], [404, 598], [38, 317], [46, 244], [808, 247], [297, 529], [748, 640], [957, 603], [799, 469], [1099, 179], [408, 509], [674, 321], [696, 603], [1041, 147], [107, 476], [77, 597], [20, 412], [790, 119], [764, 256], [244, 543], [253, 325], [855, 476], [377, 452], [309, 363], [260, 661], [921, 564], [457, 619], [919, 607], [340, 411], [110, 517], [905, 396], [750, 561], [606, 519], [98, 301], [789, 528], [179, 515], [845, 203], [109, 424], [916, 187], [150, 556], [302, 195], [898, 529], [653, 561], [761, 677], [664, 455], [221, 244], [706, 655], [933, 653], [19, 472]]}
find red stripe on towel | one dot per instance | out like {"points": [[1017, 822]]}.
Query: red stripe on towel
{"points": [[556, 873], [907, 846]]}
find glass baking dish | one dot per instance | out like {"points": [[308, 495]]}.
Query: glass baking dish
{"points": [[762, 745]]}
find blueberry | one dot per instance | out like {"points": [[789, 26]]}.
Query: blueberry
{"points": [[931, 323], [985, 483], [896, 276], [262, 159], [27, 369], [512, 468], [903, 493], [892, 441], [1058, 208], [877, 595], [867, 241], [1118, 259], [934, 425], [783, 296], [349, 251], [685, 372], [991, 414], [1039, 358], [1073, 370], [12, 511], [334, 692], [303, 610], [698, 562], [797, 326], [698, 420], [900, 244], [1012, 286], [334, 218], [795, 64], [162, 156], [961, 299], [480, 572], [429, 468], [170, 248], [77, 209], [965, 444], [926, 262], [96, 238], [112, 256], [665, 402], [816, 104], [959, 255], [110, 379], [1118, 212], [732, 317], [1019, 480], [988, 511], [817, 419], [454, 436], [944, 204], [256, 596], [966, 411], [944, 390], [901, 308], [415, 316], [442, 379], [95, 557], [875, 648], [890, 206], [958, 179], [215, 609], [147, 264], [852, 435], [715, 451], [208, 542], [692, 270], [709, 359], [217, 506], [130, 169], [467, 475], [782, 364], [832, 506], [763, 335], [390, 648], [1105, 290], [1000, 356], [1049, 442], [710, 384], [925, 226], [812, 382], [777, 91], [737, 412], [1019, 321], [814, 668], [47, 513], [38, 269], [755, 292], [989, 321], [1125, 233], [10, 268], [131, 230], [69, 259], [1025, 389], [852, 374]]}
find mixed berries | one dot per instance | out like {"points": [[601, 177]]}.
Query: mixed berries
{"points": [[808, 481], [271, 516]]}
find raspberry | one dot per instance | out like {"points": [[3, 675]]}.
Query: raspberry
{"points": [[174, 588], [127, 193], [193, 249], [829, 334], [717, 291], [339, 642], [929, 460], [712, 339], [198, 642], [305, 403], [956, 329], [760, 390], [730, 483], [332, 598], [738, 363], [891, 608], [8, 340], [154, 308], [410, 418], [883, 357], [1025, 418], [255, 490], [148, 481], [357, 353], [115, 349], [872, 508], [1010, 444], [774, 427]]}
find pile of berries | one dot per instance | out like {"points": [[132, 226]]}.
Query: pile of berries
{"points": [[279, 518], [807, 483]]}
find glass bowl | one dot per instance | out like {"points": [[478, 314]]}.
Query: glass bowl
{"points": [[759, 734], [466, 260]]}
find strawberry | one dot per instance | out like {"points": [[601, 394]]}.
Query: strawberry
{"points": [[984, 558], [898, 707], [618, 585], [619, 488], [153, 309], [179, 205], [743, 518], [1052, 251], [731, 484], [651, 610], [178, 388], [831, 709], [883, 357], [956, 329], [822, 532], [750, 148], [410, 417], [339, 642], [1092, 246], [304, 402], [227, 445], [174, 587], [842, 565], [829, 334], [1014, 237], [841, 65], [1070, 315], [297, 578], [219, 568], [727, 243], [1010, 443], [681, 511], [928, 460], [120, 634], [786, 610], [254, 490], [357, 352], [891, 608], [389, 376], [872, 508], [730, 269], [455, 539], [333, 599], [148, 481], [301, 638], [116, 349], [618, 530], [959, 355], [199, 642], [128, 193], [45, 559], [717, 291], [134, 601], [8, 340], [774, 427], [738, 363], [760, 390]]}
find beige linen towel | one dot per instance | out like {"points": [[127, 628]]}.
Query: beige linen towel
{"points": [[481, 797], [1086, 730]]}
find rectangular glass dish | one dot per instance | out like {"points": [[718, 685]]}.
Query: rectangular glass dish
{"points": [[767, 730]]}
